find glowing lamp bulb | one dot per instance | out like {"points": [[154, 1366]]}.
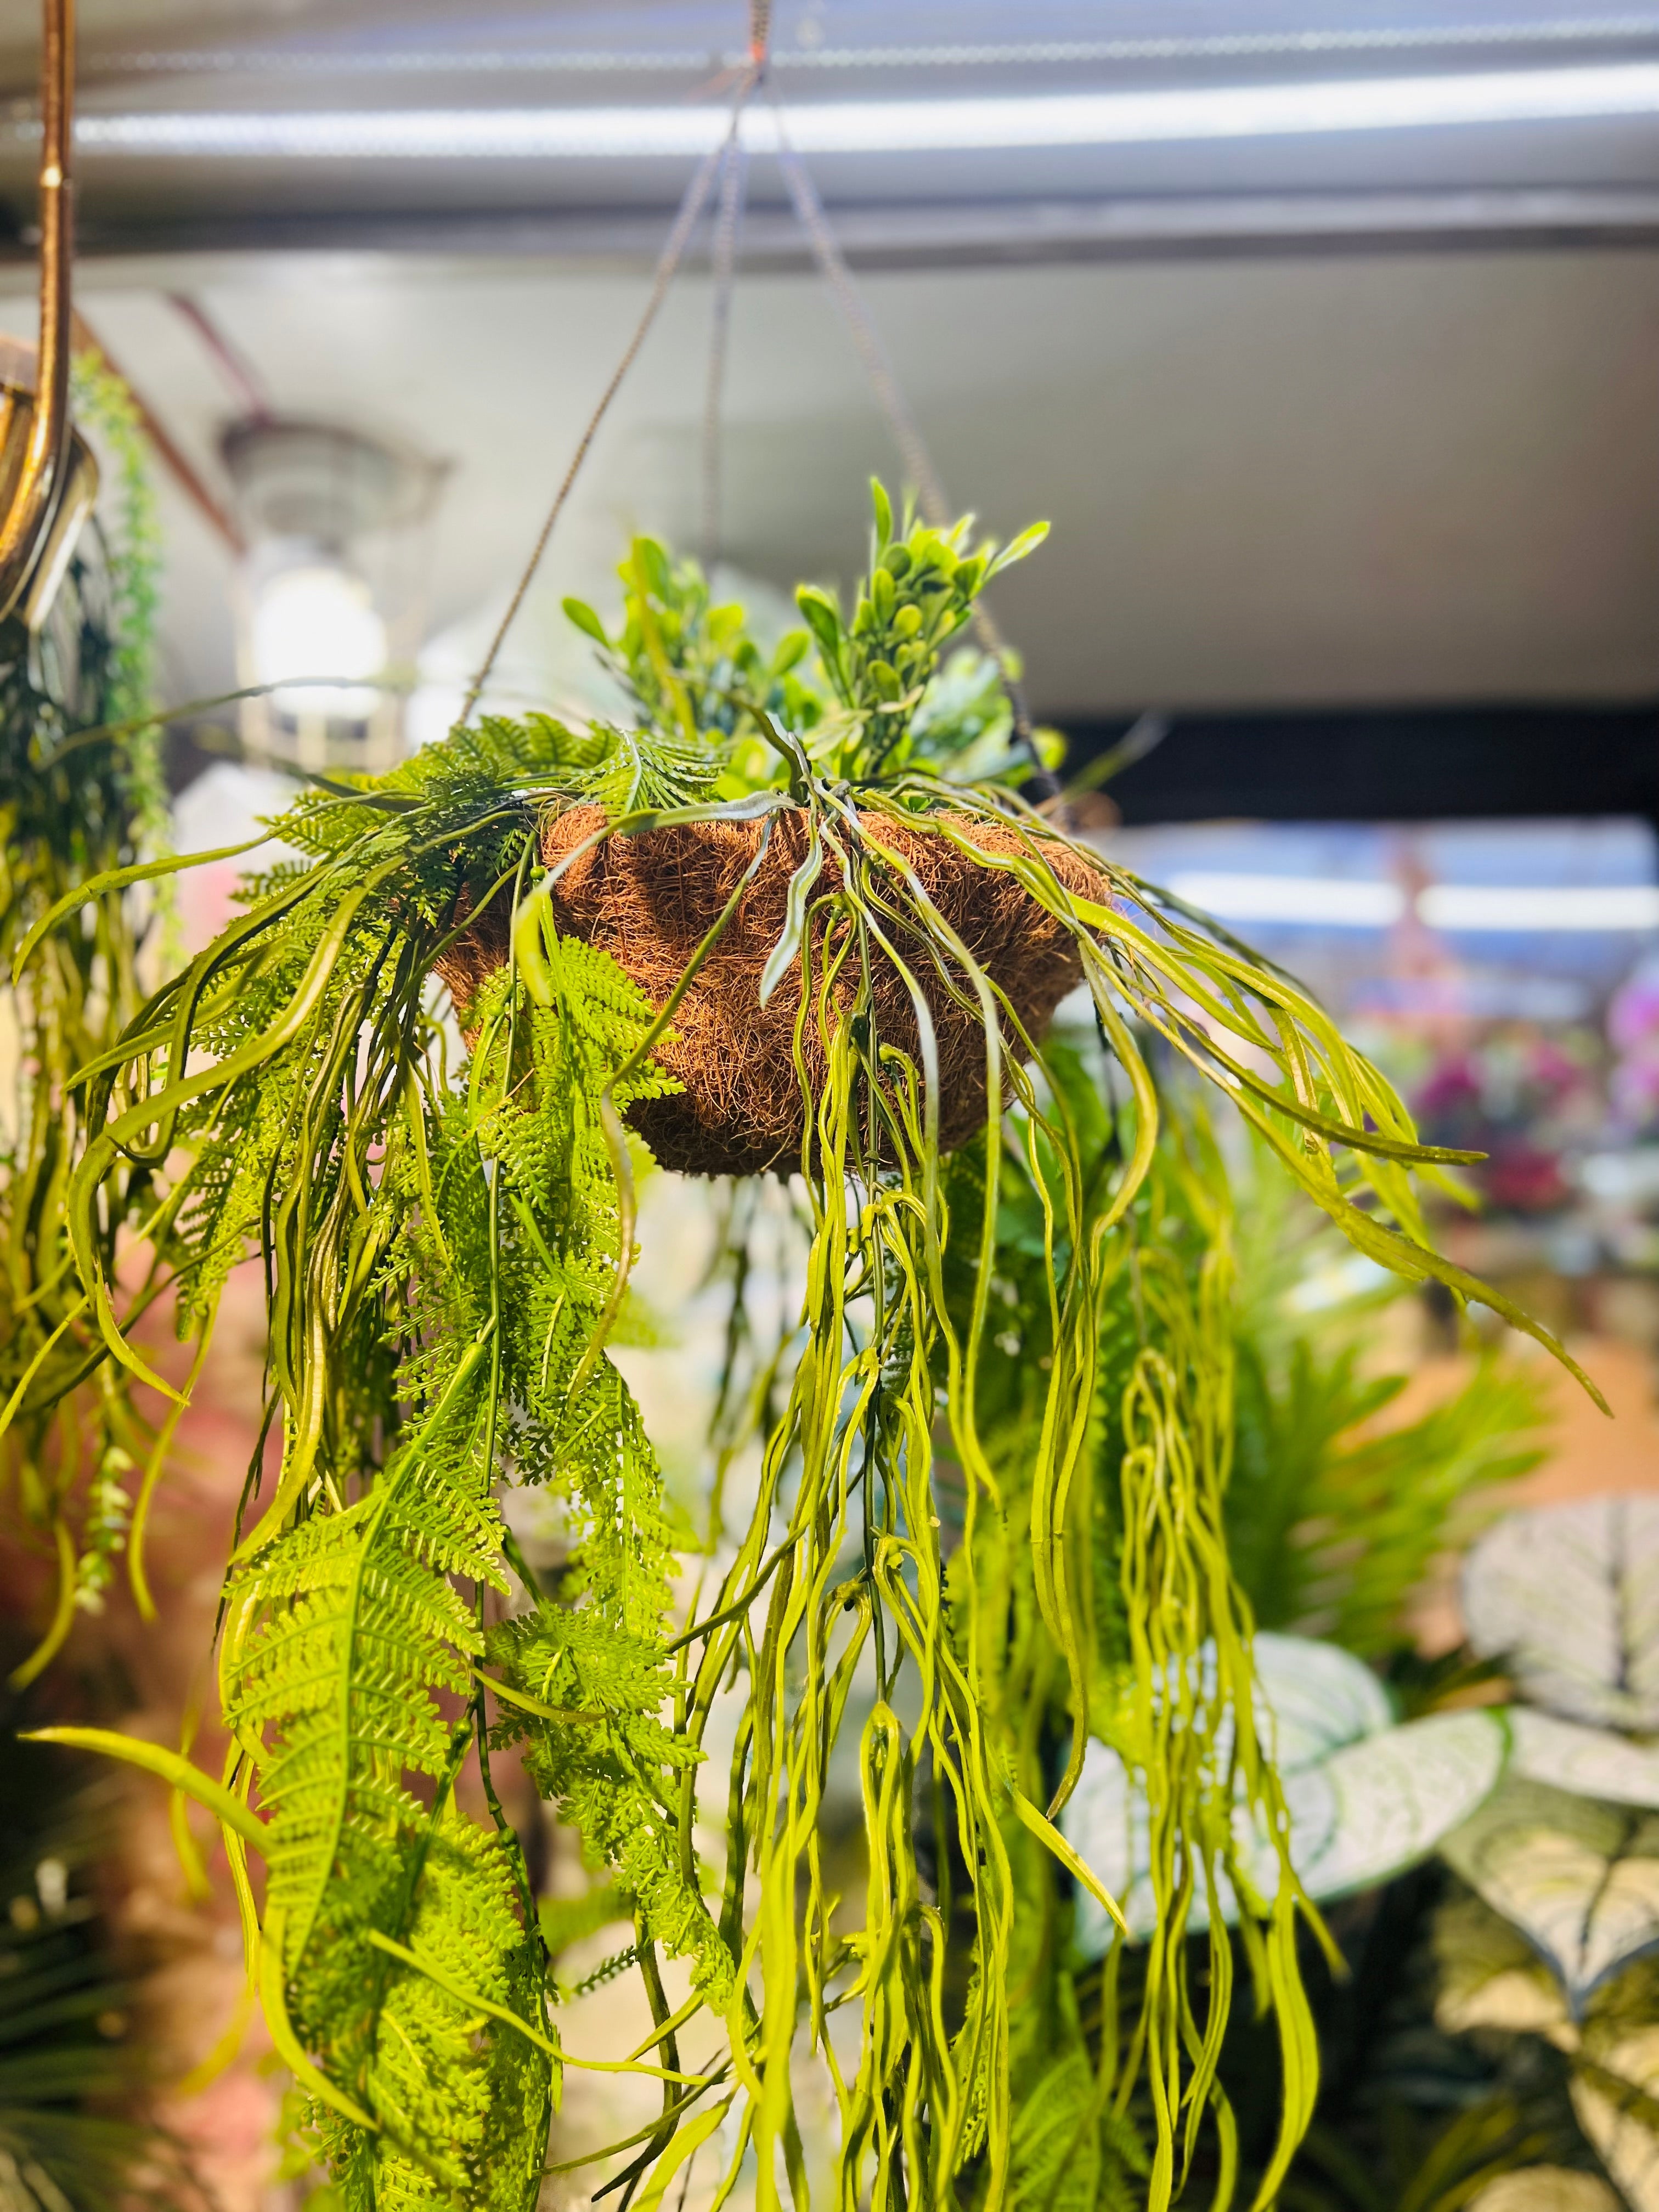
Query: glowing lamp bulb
{"points": [[319, 621]]}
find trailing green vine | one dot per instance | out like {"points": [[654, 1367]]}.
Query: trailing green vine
{"points": [[447, 1246], [75, 804]]}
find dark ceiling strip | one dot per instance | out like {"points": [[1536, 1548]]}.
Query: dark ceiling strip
{"points": [[939, 235], [1386, 764]]}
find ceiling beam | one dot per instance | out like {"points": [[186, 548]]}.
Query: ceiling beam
{"points": [[920, 235]]}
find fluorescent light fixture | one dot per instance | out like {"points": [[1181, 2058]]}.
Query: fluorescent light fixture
{"points": [[889, 127], [1325, 902], [1539, 909], [1351, 902]]}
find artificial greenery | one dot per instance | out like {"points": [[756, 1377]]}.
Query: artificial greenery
{"points": [[73, 2077], [448, 1237], [1338, 1510], [78, 799], [1499, 2016], [1413, 2115], [1539, 1976]]}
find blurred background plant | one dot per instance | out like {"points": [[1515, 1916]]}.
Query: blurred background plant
{"points": [[1484, 1997], [81, 802], [75, 2071]]}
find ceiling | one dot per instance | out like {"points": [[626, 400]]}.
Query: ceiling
{"points": [[234, 68], [1405, 475]]}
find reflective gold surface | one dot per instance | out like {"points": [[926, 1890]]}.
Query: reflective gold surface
{"points": [[37, 467]]}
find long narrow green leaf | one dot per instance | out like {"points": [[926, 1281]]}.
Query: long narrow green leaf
{"points": [[171, 1766], [121, 879]]}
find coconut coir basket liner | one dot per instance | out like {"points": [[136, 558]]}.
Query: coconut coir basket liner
{"points": [[649, 900]]}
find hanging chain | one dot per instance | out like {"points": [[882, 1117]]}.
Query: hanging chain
{"points": [[696, 195], [728, 221], [913, 451], [725, 160], [729, 162]]}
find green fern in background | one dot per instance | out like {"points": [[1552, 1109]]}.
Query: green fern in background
{"points": [[1336, 1520], [74, 2073], [1338, 1511]]}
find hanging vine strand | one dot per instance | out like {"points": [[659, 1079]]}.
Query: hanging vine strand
{"points": [[76, 1458]]}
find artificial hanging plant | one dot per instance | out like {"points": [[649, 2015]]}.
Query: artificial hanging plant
{"points": [[82, 816], [799, 919], [81, 802]]}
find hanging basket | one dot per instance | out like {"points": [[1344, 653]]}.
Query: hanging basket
{"points": [[649, 900]]}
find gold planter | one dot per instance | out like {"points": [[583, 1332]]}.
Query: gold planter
{"points": [[76, 490]]}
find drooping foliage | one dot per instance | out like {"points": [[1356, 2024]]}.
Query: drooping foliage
{"points": [[1141, 1637], [1207, 1364], [79, 804], [984, 1539]]}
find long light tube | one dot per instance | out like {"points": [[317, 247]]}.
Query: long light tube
{"points": [[890, 127], [1508, 907], [1325, 902], [1362, 903]]}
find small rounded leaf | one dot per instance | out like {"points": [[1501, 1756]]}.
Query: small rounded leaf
{"points": [[579, 612], [822, 617], [884, 508]]}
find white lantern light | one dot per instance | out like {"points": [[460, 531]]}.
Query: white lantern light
{"points": [[330, 591]]}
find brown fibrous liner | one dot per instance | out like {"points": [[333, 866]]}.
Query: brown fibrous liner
{"points": [[650, 899]]}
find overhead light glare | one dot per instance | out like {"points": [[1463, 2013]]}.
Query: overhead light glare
{"points": [[1350, 903], [894, 126], [1330, 902], [1535, 909], [318, 621]]}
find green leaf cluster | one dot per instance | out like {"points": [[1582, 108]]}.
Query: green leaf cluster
{"points": [[880, 695], [918, 596], [691, 669]]}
